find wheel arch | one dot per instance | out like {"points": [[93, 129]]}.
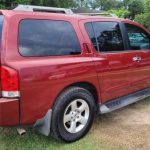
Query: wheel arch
{"points": [[86, 85]]}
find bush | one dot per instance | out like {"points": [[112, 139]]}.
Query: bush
{"points": [[121, 13], [143, 19]]}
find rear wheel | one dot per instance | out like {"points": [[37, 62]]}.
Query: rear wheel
{"points": [[73, 114]]}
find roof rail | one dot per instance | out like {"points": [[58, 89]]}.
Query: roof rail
{"points": [[33, 8], [100, 14]]}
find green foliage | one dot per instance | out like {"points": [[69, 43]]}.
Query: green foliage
{"points": [[104, 4], [12, 3], [144, 18], [126, 3], [54, 3], [2, 6], [135, 7], [121, 13], [22, 1], [51, 3], [147, 5]]}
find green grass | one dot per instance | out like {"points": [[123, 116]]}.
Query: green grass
{"points": [[10, 140], [107, 133]]}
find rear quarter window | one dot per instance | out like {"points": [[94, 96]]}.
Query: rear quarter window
{"points": [[47, 38]]}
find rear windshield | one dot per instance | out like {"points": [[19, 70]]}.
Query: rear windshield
{"points": [[47, 38], [1, 26]]}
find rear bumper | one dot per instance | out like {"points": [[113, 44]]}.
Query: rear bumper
{"points": [[9, 112]]}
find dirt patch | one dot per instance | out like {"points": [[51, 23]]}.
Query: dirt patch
{"points": [[128, 127]]}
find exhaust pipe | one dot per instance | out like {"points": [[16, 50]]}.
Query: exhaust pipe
{"points": [[21, 131]]}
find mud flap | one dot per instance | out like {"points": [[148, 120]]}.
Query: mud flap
{"points": [[43, 125]]}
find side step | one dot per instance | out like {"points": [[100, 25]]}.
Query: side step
{"points": [[124, 101]]}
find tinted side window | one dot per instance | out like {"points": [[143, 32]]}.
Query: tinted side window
{"points": [[47, 38], [1, 26], [108, 36], [90, 31], [138, 38]]}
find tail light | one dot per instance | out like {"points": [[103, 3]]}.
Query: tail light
{"points": [[9, 82]]}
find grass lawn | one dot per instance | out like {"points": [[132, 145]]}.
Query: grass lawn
{"points": [[124, 129]]}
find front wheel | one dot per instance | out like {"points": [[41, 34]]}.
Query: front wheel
{"points": [[73, 114]]}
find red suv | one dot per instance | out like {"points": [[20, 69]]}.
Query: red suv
{"points": [[59, 70]]}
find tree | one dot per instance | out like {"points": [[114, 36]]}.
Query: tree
{"points": [[51, 3], [105, 4], [126, 3], [121, 13], [12, 3], [135, 7], [146, 6], [144, 17]]}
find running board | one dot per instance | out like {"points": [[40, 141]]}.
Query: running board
{"points": [[124, 101]]}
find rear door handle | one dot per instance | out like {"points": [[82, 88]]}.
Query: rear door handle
{"points": [[137, 59]]}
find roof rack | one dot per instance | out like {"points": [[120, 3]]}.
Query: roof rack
{"points": [[33, 8]]}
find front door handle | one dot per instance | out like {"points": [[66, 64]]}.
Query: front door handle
{"points": [[137, 59]]}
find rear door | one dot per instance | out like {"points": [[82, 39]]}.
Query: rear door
{"points": [[51, 57]]}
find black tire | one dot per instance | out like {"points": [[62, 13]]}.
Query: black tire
{"points": [[58, 130]]}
